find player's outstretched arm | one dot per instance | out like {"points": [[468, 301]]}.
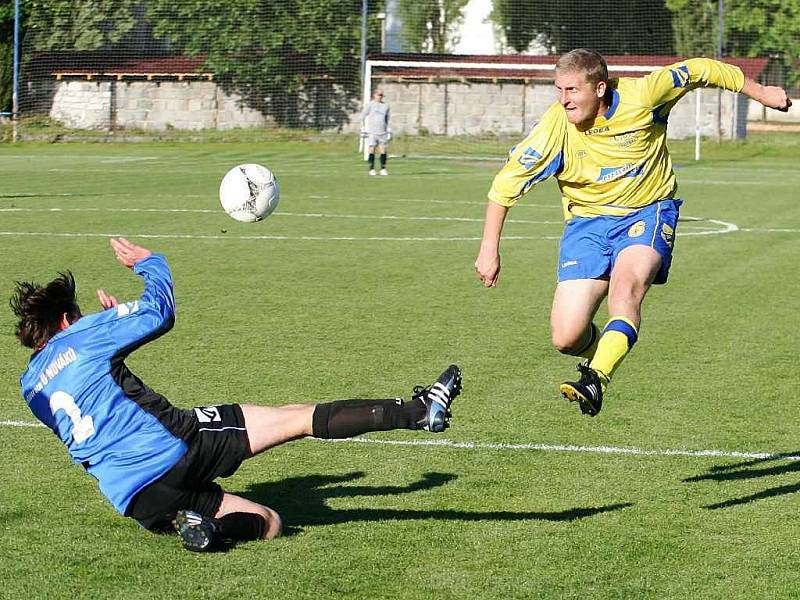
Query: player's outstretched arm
{"points": [[128, 253], [770, 96]]}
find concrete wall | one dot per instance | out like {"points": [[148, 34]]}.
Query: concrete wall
{"points": [[417, 107], [149, 105], [464, 107], [757, 112]]}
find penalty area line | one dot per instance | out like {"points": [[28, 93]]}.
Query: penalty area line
{"points": [[446, 443]]}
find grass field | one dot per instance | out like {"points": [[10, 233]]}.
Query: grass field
{"points": [[685, 486]]}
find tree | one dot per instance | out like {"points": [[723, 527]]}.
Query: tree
{"points": [[428, 24], [80, 24], [608, 26], [295, 60], [6, 54], [765, 28], [695, 23]]}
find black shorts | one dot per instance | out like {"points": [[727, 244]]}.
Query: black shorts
{"points": [[217, 445]]}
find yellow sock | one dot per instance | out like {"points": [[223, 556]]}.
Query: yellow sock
{"points": [[618, 338]]}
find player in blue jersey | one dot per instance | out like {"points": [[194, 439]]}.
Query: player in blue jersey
{"points": [[604, 140], [153, 461]]}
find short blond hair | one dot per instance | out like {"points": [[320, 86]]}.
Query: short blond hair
{"points": [[584, 60]]}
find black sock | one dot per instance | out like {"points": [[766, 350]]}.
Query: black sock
{"points": [[346, 418], [241, 526], [383, 161], [371, 161]]}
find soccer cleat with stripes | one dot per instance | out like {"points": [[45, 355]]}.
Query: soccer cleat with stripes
{"points": [[587, 391], [437, 399], [195, 530]]}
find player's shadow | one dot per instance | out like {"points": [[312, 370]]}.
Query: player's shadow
{"points": [[302, 501], [753, 469]]}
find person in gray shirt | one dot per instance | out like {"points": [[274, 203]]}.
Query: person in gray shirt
{"points": [[375, 128]]}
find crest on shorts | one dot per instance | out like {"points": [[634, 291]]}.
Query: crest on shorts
{"points": [[637, 229], [207, 414], [667, 234]]}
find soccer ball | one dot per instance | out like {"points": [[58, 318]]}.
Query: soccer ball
{"points": [[249, 193]]}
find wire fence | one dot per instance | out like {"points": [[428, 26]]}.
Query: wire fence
{"points": [[154, 65]]}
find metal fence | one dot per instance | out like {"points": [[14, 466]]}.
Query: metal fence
{"points": [[196, 64]]}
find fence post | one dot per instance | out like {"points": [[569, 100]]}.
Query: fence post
{"points": [[15, 76]]}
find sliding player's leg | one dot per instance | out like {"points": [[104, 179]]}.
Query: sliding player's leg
{"points": [[428, 409], [263, 427]]}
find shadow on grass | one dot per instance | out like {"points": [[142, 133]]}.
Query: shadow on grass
{"points": [[302, 501], [752, 469]]}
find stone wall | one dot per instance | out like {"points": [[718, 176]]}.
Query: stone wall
{"points": [[149, 105], [417, 107], [464, 107]]}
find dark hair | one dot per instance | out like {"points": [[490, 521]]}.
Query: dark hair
{"points": [[584, 60], [39, 308]]}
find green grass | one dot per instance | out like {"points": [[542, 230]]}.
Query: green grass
{"points": [[281, 311]]}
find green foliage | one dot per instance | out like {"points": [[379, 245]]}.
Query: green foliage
{"points": [[765, 28], [608, 26], [293, 60], [285, 58], [80, 24], [6, 53], [428, 24], [695, 24]]}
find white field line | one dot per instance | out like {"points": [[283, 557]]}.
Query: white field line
{"points": [[445, 443], [279, 213], [316, 238], [128, 159], [19, 424], [307, 238], [770, 230], [725, 227], [624, 450]]}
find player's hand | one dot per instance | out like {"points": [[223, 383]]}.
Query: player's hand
{"points": [[775, 97], [388, 135], [487, 266], [106, 299], [128, 253]]}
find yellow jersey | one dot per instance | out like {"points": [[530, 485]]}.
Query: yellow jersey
{"points": [[621, 162]]}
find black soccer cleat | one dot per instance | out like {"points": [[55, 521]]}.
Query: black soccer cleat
{"points": [[196, 531], [437, 399], [587, 391]]}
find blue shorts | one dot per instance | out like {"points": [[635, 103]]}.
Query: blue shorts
{"points": [[590, 246]]}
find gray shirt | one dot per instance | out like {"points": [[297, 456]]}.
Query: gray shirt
{"points": [[376, 117]]}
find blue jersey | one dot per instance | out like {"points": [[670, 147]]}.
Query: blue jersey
{"points": [[122, 432]]}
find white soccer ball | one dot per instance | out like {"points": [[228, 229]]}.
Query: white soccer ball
{"points": [[249, 193]]}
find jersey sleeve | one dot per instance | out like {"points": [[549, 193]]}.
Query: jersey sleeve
{"points": [[536, 158], [674, 81], [151, 316]]}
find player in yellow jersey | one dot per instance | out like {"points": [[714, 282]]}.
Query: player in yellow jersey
{"points": [[604, 141]]}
